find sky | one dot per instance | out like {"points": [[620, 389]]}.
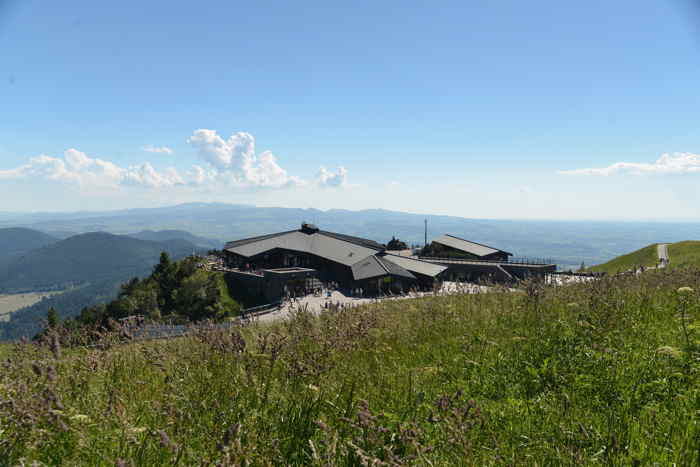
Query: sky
{"points": [[508, 109]]}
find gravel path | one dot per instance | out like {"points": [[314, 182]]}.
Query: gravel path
{"points": [[316, 304], [662, 249]]}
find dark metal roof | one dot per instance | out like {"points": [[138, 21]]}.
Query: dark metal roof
{"points": [[375, 266], [245, 241], [416, 266], [470, 247], [356, 240], [340, 248]]}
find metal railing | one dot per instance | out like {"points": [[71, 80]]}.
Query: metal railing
{"points": [[515, 261]]}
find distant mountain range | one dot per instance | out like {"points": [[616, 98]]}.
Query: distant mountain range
{"points": [[58, 250], [84, 259], [166, 235], [567, 243], [17, 240]]}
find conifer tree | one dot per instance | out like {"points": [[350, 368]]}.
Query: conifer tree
{"points": [[52, 318]]}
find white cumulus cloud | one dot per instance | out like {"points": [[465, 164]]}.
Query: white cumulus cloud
{"points": [[326, 178], [76, 167], [227, 163], [676, 163], [234, 161], [157, 149]]}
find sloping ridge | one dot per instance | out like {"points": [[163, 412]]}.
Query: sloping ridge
{"points": [[18, 240], [86, 258]]}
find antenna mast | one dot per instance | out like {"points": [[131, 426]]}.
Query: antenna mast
{"points": [[426, 233]]}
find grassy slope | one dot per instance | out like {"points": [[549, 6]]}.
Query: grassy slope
{"points": [[684, 254], [647, 256], [681, 254], [226, 298], [591, 373]]}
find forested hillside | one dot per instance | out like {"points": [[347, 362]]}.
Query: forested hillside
{"points": [[90, 266], [30, 320], [174, 290], [177, 291], [18, 240], [165, 235], [87, 258]]}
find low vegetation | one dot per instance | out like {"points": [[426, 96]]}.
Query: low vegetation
{"points": [[604, 372], [176, 291], [646, 257], [681, 255], [684, 254]]}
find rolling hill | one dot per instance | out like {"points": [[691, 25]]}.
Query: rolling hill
{"points": [[680, 254], [91, 266], [165, 235], [86, 258], [647, 257], [18, 240], [566, 243]]}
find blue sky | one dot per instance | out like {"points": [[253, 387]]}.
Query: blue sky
{"points": [[509, 109]]}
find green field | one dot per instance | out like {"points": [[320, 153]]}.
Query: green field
{"points": [[683, 254], [605, 372], [647, 256], [13, 302]]}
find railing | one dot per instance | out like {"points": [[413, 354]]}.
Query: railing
{"points": [[578, 274], [520, 261], [149, 331], [261, 309]]}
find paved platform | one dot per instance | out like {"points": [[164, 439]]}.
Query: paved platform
{"points": [[317, 303]]}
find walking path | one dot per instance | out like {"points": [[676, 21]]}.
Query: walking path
{"points": [[317, 303], [662, 249]]}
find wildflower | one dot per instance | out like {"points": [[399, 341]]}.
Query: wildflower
{"points": [[166, 442], [685, 291]]}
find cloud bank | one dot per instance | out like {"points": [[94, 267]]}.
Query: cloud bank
{"points": [[226, 163], [676, 163], [79, 169]]}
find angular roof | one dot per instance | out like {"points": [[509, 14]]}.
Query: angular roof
{"points": [[415, 265], [376, 266], [237, 243], [465, 245], [340, 248]]}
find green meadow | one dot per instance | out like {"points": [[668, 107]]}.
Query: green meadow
{"points": [[598, 373]]}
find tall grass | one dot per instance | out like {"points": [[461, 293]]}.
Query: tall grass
{"points": [[598, 373]]}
